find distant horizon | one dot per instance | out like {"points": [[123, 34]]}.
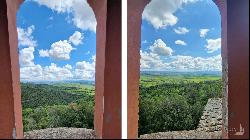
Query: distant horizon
{"points": [[92, 80]]}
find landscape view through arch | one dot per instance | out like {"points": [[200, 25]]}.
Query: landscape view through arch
{"points": [[180, 65], [57, 50]]}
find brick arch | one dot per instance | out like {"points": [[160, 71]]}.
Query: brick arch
{"points": [[235, 75], [107, 120]]}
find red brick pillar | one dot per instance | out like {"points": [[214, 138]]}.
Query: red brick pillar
{"points": [[238, 67], [108, 68], [135, 9], [235, 61], [10, 95]]}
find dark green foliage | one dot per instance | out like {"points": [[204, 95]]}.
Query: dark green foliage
{"points": [[72, 115], [174, 106], [48, 106], [35, 95]]}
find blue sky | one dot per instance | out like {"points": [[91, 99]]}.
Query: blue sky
{"points": [[182, 36], [57, 38], [55, 41]]}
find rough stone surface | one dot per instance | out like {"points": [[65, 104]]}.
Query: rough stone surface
{"points": [[61, 133], [211, 120], [209, 127], [192, 134]]}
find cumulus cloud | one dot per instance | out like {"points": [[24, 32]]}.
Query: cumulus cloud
{"points": [[76, 38], [82, 70], [53, 72], [150, 60], [213, 45], [25, 37], [159, 47], [34, 72], [30, 71], [160, 13], [203, 32], [180, 42], [44, 53], [180, 63], [181, 30], [59, 50], [189, 63], [85, 70], [83, 15], [26, 56], [85, 65]]}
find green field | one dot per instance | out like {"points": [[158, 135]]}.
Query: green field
{"points": [[152, 80], [77, 88]]}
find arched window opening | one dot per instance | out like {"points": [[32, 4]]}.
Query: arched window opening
{"points": [[56, 41], [181, 84]]}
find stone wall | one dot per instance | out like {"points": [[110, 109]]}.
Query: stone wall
{"points": [[211, 120]]}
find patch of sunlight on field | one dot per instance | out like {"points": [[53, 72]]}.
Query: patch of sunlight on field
{"points": [[152, 80], [77, 88]]}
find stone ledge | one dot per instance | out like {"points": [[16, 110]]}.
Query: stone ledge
{"points": [[191, 134], [61, 133]]}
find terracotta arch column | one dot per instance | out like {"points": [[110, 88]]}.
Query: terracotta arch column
{"points": [[235, 62], [10, 95], [135, 9], [108, 68]]}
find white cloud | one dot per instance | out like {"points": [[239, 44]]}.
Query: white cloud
{"points": [[203, 32], [76, 38], [160, 13], [68, 66], [82, 70], [59, 50], [85, 70], [189, 63], [181, 30], [26, 56], [25, 37], [213, 45], [44, 53], [160, 48], [180, 42], [83, 15], [31, 72], [53, 72], [150, 60], [85, 65], [180, 63]]}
